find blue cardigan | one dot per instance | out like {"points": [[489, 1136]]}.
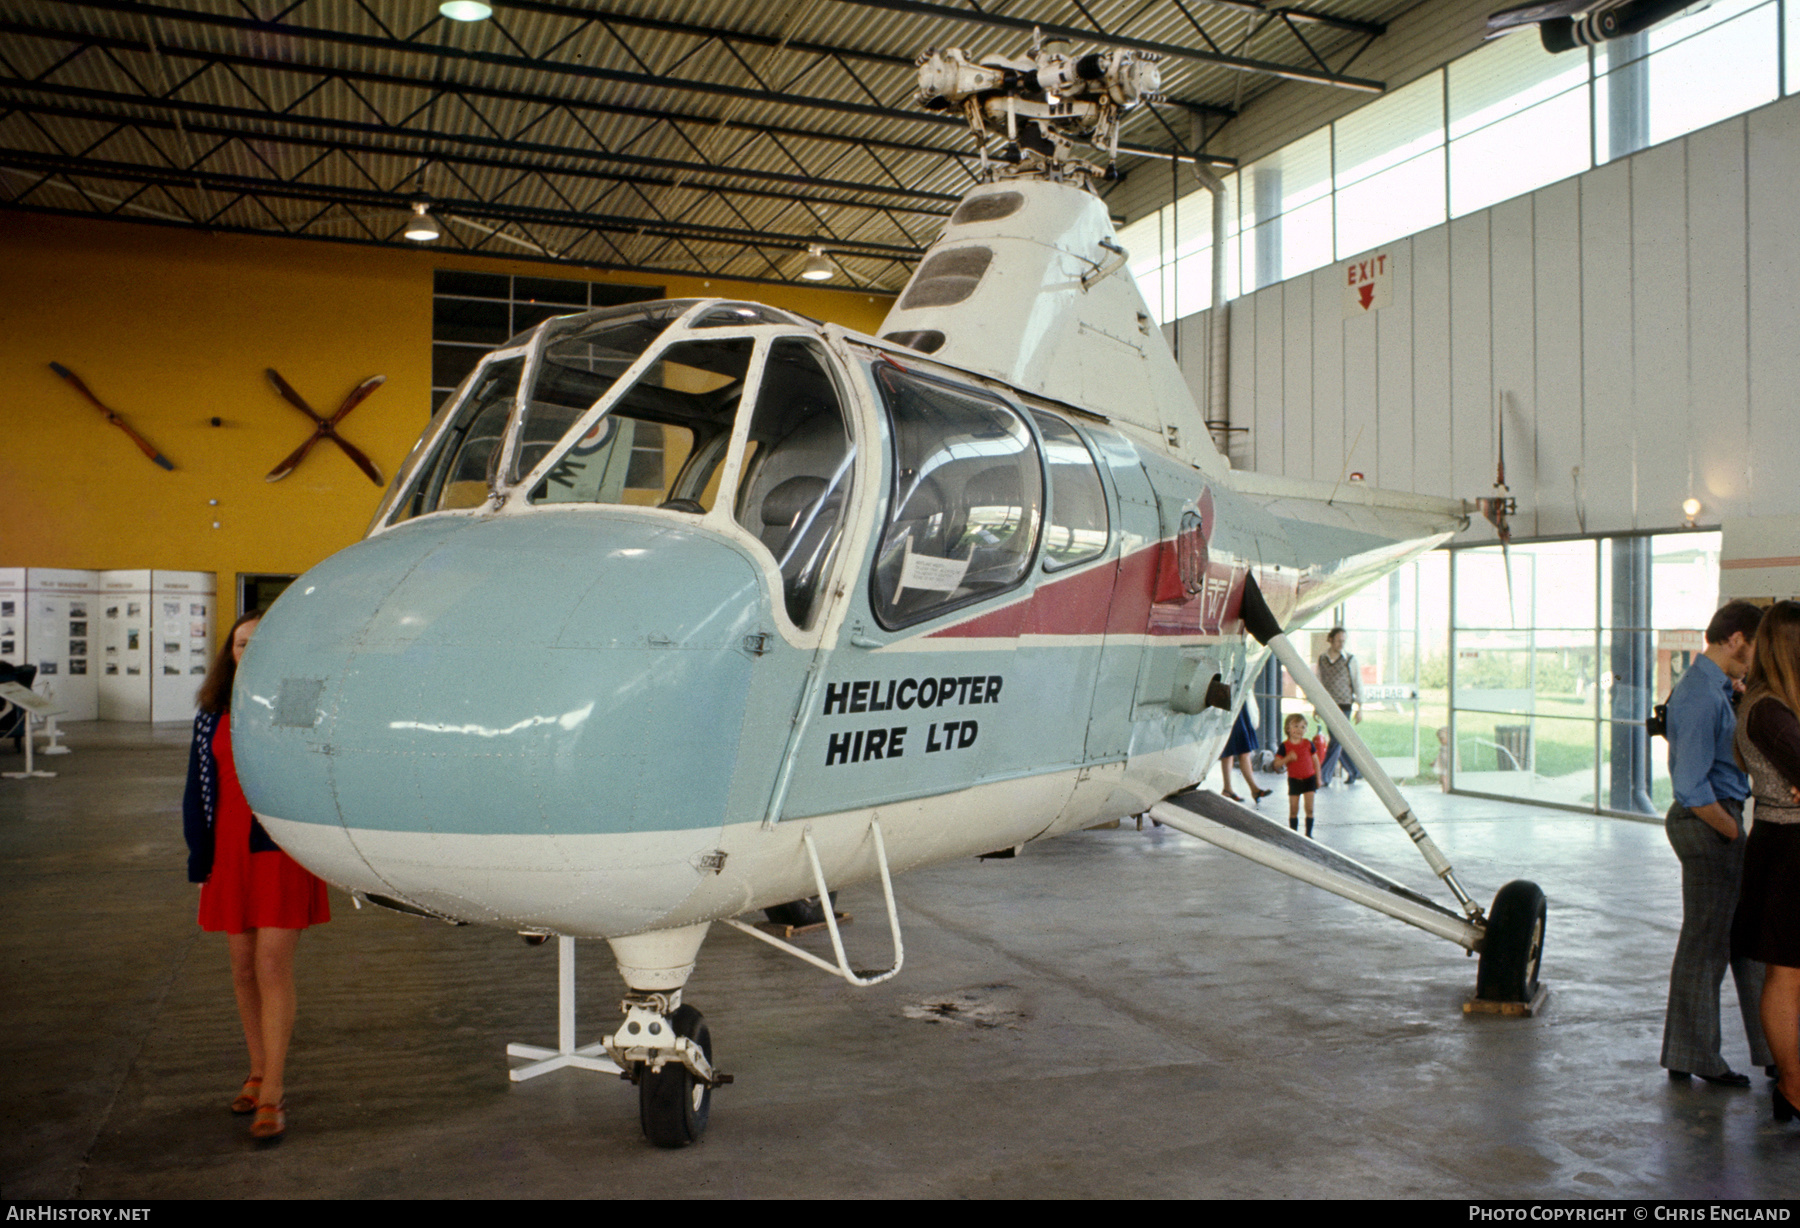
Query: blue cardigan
{"points": [[200, 805]]}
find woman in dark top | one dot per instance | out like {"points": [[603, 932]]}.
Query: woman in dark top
{"points": [[1767, 924], [254, 893]]}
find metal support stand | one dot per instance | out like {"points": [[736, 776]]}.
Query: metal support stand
{"points": [[1261, 624], [587, 1057], [54, 746], [13, 696]]}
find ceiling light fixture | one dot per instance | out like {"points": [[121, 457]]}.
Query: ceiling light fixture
{"points": [[423, 228], [818, 266], [466, 10], [1690, 507]]}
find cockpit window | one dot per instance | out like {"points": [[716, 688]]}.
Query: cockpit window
{"points": [[796, 476], [968, 493], [659, 445], [578, 367], [1075, 530], [459, 473]]}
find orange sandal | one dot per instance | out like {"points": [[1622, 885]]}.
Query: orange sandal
{"points": [[270, 1123], [246, 1099]]}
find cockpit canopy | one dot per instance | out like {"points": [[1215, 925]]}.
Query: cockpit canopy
{"points": [[641, 406]]}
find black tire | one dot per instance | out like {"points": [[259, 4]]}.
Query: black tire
{"points": [[1514, 949], [799, 912], [673, 1105]]}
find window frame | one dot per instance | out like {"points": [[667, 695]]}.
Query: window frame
{"points": [[891, 501]]}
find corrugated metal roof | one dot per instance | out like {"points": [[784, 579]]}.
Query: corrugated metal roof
{"points": [[716, 137]]}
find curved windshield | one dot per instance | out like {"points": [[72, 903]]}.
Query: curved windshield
{"points": [[460, 470], [583, 356], [661, 442]]}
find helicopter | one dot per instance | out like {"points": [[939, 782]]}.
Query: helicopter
{"points": [[691, 608]]}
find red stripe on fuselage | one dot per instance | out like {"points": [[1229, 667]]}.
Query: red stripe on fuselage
{"points": [[1116, 599]]}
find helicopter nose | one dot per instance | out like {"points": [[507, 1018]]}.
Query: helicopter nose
{"points": [[508, 721]]}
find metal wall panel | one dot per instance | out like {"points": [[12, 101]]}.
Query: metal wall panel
{"points": [[1774, 262], [1659, 311], [1297, 379], [1243, 379], [1512, 299], [1362, 440], [1271, 409], [1471, 358], [1431, 360], [1557, 347], [1643, 318], [1606, 384], [1718, 327], [1328, 375], [1394, 377]]}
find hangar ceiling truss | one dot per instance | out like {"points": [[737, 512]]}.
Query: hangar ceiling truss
{"points": [[697, 137]]}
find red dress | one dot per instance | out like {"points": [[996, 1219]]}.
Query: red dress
{"points": [[246, 890]]}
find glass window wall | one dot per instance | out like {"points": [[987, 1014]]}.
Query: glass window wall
{"points": [[1557, 659]]}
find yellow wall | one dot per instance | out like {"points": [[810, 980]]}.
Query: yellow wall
{"points": [[174, 327]]}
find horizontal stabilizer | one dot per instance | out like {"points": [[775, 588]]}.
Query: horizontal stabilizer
{"points": [[1241, 830]]}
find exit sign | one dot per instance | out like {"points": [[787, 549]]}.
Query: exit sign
{"points": [[1368, 284]]}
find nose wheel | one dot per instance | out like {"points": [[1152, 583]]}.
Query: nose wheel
{"points": [[673, 1105]]}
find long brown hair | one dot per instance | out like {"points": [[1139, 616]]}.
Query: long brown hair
{"points": [[1776, 670], [215, 693]]}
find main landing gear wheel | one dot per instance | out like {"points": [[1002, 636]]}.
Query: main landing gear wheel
{"points": [[1514, 947], [672, 1104], [798, 913]]}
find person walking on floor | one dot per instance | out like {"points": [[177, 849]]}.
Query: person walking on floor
{"points": [[1705, 828], [1337, 670], [1298, 759], [1241, 746]]}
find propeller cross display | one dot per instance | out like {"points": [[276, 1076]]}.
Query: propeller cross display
{"points": [[325, 428]]}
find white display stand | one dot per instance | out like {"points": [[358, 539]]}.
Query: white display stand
{"points": [[13, 695], [61, 611], [184, 609], [125, 638], [587, 1057]]}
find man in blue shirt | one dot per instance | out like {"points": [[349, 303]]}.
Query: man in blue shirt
{"points": [[1706, 830]]}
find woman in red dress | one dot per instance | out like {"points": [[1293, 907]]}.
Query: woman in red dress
{"points": [[257, 895]]}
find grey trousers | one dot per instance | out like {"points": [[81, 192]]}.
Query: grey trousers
{"points": [[1710, 872]]}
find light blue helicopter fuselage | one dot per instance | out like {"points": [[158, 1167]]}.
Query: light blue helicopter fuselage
{"points": [[597, 717]]}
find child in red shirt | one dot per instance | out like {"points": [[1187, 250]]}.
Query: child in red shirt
{"points": [[1299, 757]]}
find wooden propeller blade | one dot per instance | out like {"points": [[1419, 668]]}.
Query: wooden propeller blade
{"points": [[356, 454], [357, 396], [144, 445], [293, 459], [287, 393]]}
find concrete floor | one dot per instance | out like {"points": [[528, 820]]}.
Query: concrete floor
{"points": [[1165, 1020]]}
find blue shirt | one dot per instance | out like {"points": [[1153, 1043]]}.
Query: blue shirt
{"points": [[1701, 724]]}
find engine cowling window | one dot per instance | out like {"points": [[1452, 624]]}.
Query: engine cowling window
{"points": [[967, 497], [796, 476]]}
